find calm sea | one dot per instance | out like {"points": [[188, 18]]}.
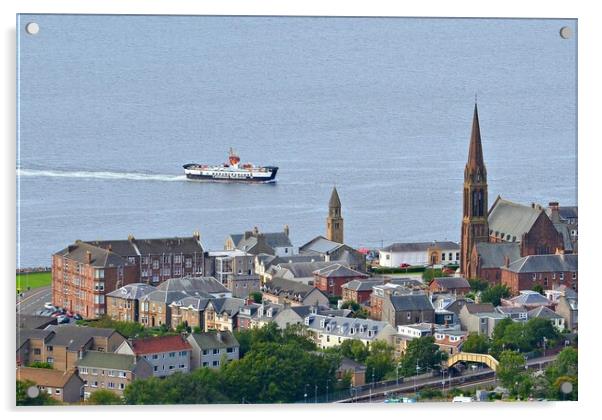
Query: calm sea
{"points": [[111, 107]]}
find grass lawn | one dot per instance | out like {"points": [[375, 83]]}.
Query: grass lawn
{"points": [[33, 280]]}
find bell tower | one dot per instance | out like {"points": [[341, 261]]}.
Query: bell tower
{"points": [[334, 221], [475, 227]]}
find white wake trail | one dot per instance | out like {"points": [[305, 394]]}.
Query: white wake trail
{"points": [[133, 176]]}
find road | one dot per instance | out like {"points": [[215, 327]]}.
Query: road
{"points": [[482, 376], [34, 300]]}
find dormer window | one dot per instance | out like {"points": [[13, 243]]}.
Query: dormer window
{"points": [[307, 320], [322, 323], [353, 330]]}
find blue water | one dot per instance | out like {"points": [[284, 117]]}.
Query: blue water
{"points": [[110, 107]]}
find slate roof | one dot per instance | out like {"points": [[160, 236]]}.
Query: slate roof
{"points": [[278, 285], [338, 270], [132, 291], [105, 360], [211, 340], [452, 282], [99, 257], [543, 312], [229, 305], [478, 308], [341, 327], [362, 285], [24, 334], [420, 246], [272, 239], [348, 364], [270, 260], [509, 218], [200, 286], [74, 337], [565, 231], [34, 321], [122, 247], [174, 245], [46, 377], [303, 269], [419, 302], [493, 254], [164, 296], [529, 298], [319, 245], [568, 212], [192, 302], [545, 263], [159, 344]]}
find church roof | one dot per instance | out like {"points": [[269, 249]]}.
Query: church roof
{"points": [[493, 254], [511, 220]]}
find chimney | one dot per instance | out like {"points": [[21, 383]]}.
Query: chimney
{"points": [[559, 251], [506, 261], [88, 257], [80, 354], [219, 337], [196, 235], [554, 213], [248, 234], [532, 205], [110, 248], [255, 231], [131, 237], [286, 230]]}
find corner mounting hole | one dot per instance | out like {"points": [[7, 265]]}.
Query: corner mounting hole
{"points": [[32, 28], [565, 32]]}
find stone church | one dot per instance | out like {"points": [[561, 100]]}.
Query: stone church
{"points": [[496, 236]]}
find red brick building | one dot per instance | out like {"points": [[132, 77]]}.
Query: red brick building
{"points": [[548, 271], [331, 279], [359, 290], [84, 272], [454, 285]]}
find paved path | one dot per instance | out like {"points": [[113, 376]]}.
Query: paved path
{"points": [[34, 300]]}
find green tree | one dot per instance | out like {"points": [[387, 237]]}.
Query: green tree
{"points": [[41, 365], [181, 327], [537, 330], [538, 288], [563, 369], [422, 352], [104, 397], [350, 304], [256, 296], [380, 361], [430, 273], [511, 372], [476, 343], [354, 349], [24, 399], [478, 285], [494, 294]]}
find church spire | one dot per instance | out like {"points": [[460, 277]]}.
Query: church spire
{"points": [[334, 221], [335, 201], [475, 152]]}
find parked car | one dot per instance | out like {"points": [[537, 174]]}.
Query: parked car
{"points": [[49, 305], [404, 265], [77, 317], [62, 319]]}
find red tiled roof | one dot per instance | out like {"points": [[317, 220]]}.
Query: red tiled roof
{"points": [[160, 344]]}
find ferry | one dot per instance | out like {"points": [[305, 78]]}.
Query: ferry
{"points": [[233, 171]]}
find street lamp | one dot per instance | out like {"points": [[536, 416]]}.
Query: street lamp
{"points": [[417, 369], [372, 377], [316, 394], [305, 393], [545, 340], [327, 381], [397, 370]]}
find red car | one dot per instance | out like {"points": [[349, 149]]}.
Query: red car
{"points": [[404, 265]]}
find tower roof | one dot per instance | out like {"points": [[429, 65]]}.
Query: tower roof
{"points": [[334, 198], [475, 153]]}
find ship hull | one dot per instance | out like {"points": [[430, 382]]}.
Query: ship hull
{"points": [[262, 175]]}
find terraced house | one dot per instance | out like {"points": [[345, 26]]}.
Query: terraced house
{"points": [[111, 371], [329, 331], [167, 355]]}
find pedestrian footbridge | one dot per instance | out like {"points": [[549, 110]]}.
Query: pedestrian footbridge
{"points": [[486, 359]]}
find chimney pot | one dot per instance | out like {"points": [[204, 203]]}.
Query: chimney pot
{"points": [[286, 230], [88, 257]]}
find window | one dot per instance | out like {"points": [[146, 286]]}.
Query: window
{"points": [[188, 262], [388, 256], [205, 364], [205, 352], [457, 255], [171, 367], [37, 352], [94, 384], [409, 315], [48, 348], [450, 256], [183, 353], [111, 385], [182, 366], [574, 276], [177, 259], [94, 371], [177, 271], [215, 351], [83, 371], [57, 391], [553, 275], [155, 264], [172, 354], [155, 368], [216, 363], [145, 260], [99, 274], [111, 373], [132, 260], [534, 276], [561, 276], [155, 356], [443, 256], [121, 386], [229, 350], [155, 278], [50, 360], [122, 374]]}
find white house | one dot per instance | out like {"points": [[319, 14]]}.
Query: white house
{"points": [[420, 254], [330, 331]]}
